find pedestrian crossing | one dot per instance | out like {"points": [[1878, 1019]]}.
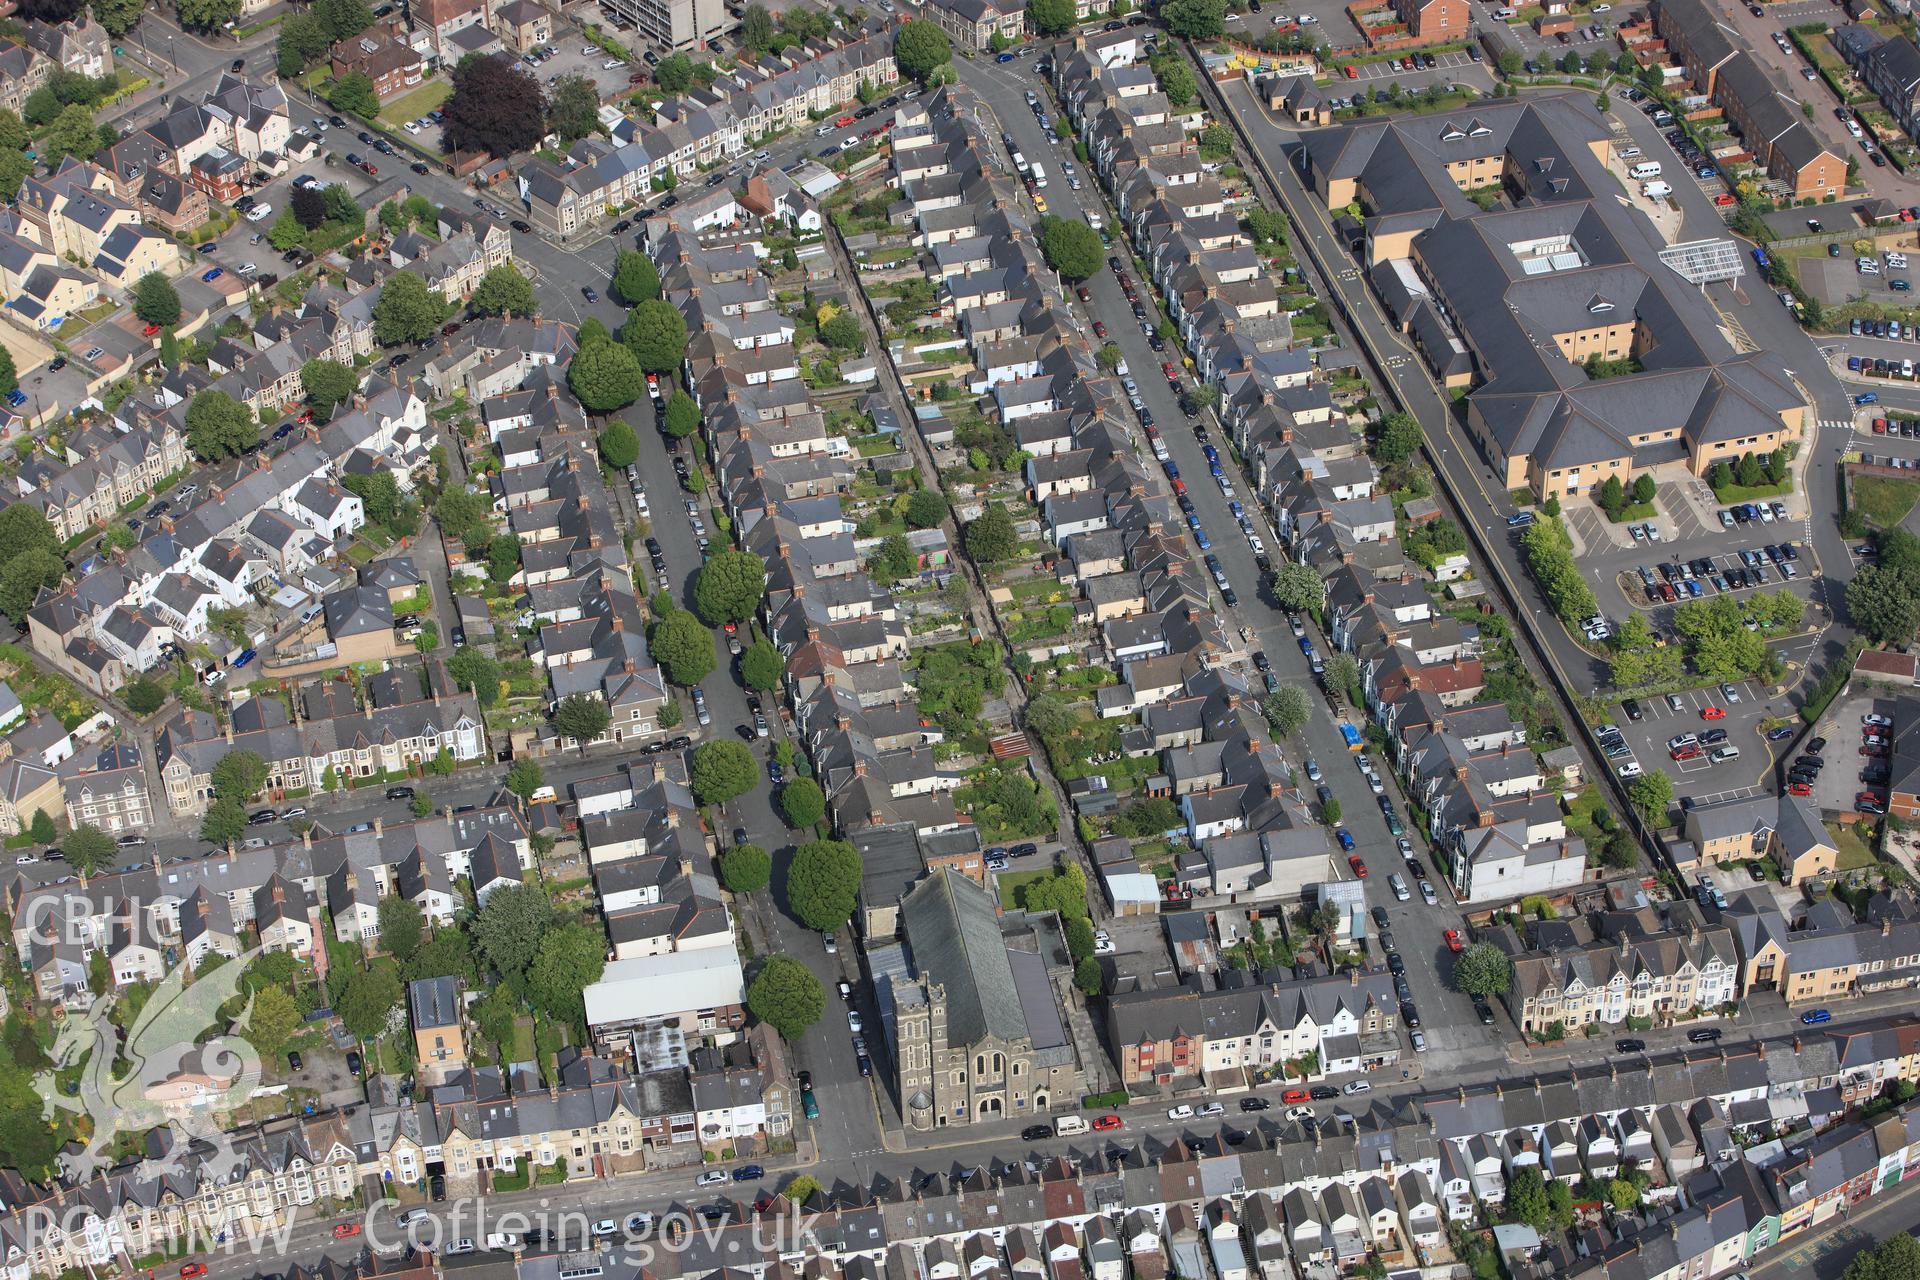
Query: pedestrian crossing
{"points": [[1836, 424]]}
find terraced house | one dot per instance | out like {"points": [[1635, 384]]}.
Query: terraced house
{"points": [[1580, 354]]}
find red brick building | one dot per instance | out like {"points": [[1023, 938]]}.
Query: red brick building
{"points": [[393, 67]]}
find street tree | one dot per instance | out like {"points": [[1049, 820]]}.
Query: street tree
{"points": [[407, 311], [88, 849], [683, 415], [920, 47], [503, 291], [634, 278], [218, 426], [327, 383], [223, 822], [721, 770], [729, 587], [582, 717], [1289, 710], [1482, 970], [786, 996], [746, 868], [1071, 247], [656, 333], [1298, 586], [761, 666], [683, 646], [525, 777], [605, 376], [619, 446], [823, 883], [353, 93], [804, 804]]}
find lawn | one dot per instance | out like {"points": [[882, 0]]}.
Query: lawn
{"points": [[411, 106], [1885, 500], [1011, 882], [1854, 853]]}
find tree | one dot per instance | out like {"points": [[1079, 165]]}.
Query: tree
{"points": [[656, 333], [1298, 587], [801, 1189], [729, 587], [1897, 1257], [756, 28], [920, 47], [155, 301], [503, 558], [991, 538], [674, 73], [1611, 496], [803, 802], [721, 770], [509, 928], [746, 868], [378, 492], [223, 822], [503, 291], [1749, 471], [1400, 437], [309, 208], [287, 231], [117, 16], [353, 93], [144, 696], [1153, 816], [1778, 463], [22, 578], [41, 830], [1527, 1196], [1289, 709], [1051, 17], [634, 278], [342, 207], [493, 108], [371, 996], [683, 647], [1195, 19], [464, 516], [402, 927], [23, 528], [605, 376], [1601, 102], [219, 426], [1651, 794], [1109, 357], [582, 717], [72, 133], [1643, 488], [302, 40], [239, 775], [1882, 601], [1071, 247], [619, 446], [683, 415], [843, 333], [205, 15], [1175, 76], [926, 508], [1623, 1195], [1330, 813], [327, 383], [343, 18], [1482, 970], [42, 106], [88, 848], [575, 110], [823, 883], [761, 666], [894, 560], [786, 996], [14, 169], [271, 1021], [525, 778], [570, 959], [407, 311]]}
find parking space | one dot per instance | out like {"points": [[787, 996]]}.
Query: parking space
{"points": [[1855, 772], [1707, 740]]}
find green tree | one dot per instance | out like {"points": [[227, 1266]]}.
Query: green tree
{"points": [[721, 770], [894, 559], [143, 696], [1482, 970], [371, 996], [22, 577], [1051, 17], [407, 311], [746, 868], [503, 558], [1289, 710], [991, 538], [525, 777], [503, 291], [729, 587], [803, 803], [683, 647], [574, 110], [508, 930], [926, 508], [1298, 587], [1624, 1196], [301, 43], [155, 301], [1527, 1196], [1643, 488], [1195, 19], [756, 28], [224, 822], [41, 829], [569, 960], [24, 528], [605, 376], [118, 16], [378, 492], [674, 73], [761, 666], [1400, 437], [88, 849], [1175, 76], [271, 1021], [72, 133], [802, 1189], [1611, 496], [402, 927], [464, 516], [1749, 471], [343, 18], [1071, 247], [1652, 794], [823, 883], [1897, 1257], [634, 278], [353, 93], [1330, 813], [1109, 357], [619, 446], [239, 775], [218, 426], [786, 996], [683, 415], [920, 47], [327, 383], [843, 333], [582, 717], [656, 333]]}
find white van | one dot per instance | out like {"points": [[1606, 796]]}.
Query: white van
{"points": [[1656, 190], [1644, 170], [1039, 174], [1067, 1126]]}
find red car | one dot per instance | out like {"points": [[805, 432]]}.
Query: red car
{"points": [[1358, 864], [1689, 752], [373, 170], [1869, 802], [1713, 713], [346, 1229], [1179, 486], [1879, 426], [1723, 199], [1081, 292], [843, 122], [1106, 1123], [1454, 941], [150, 330], [1099, 330], [1166, 367], [1874, 751], [1293, 1097], [193, 1269], [1799, 789]]}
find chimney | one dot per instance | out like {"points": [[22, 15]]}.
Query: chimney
{"points": [[1886, 925], [306, 838], [379, 827]]}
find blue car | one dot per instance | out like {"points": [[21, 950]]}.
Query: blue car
{"points": [[1760, 257], [16, 397], [1200, 536], [246, 656], [1816, 1017], [1346, 839], [1173, 469], [208, 277], [1780, 734], [1005, 57], [1867, 397], [1306, 646]]}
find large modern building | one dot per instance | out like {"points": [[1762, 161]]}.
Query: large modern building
{"points": [[978, 1029], [1543, 297], [672, 24]]}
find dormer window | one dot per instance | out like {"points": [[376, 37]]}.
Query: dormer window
{"points": [[1478, 130]]}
